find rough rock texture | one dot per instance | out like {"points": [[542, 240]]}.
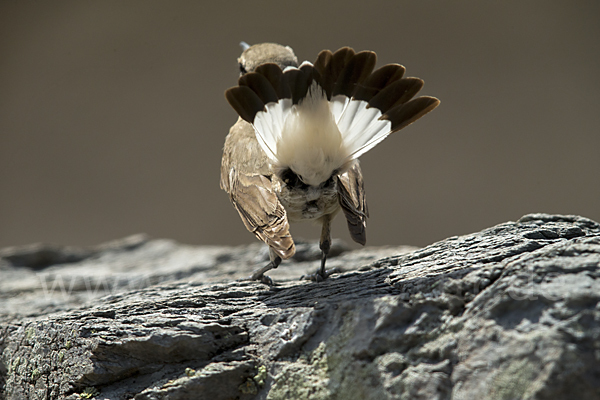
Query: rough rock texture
{"points": [[511, 312]]}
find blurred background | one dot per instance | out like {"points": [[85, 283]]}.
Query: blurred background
{"points": [[112, 114]]}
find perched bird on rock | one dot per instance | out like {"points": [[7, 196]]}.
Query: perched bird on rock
{"points": [[293, 153]]}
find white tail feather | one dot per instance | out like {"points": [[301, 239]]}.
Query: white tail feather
{"points": [[268, 125], [316, 137], [311, 143], [377, 137], [337, 104], [360, 125]]}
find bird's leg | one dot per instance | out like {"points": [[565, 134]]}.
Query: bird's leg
{"points": [[259, 274], [325, 246]]}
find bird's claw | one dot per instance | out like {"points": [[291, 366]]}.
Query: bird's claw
{"points": [[320, 275], [262, 278]]}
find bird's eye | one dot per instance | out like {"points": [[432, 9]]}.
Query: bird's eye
{"points": [[242, 69]]}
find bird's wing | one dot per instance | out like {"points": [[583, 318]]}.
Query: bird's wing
{"points": [[351, 194], [262, 213]]}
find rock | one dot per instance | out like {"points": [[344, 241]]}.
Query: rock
{"points": [[511, 312]]}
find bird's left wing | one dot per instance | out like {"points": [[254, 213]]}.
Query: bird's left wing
{"points": [[262, 213]]}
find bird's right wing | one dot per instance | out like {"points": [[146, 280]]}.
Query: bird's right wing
{"points": [[351, 194], [260, 210]]}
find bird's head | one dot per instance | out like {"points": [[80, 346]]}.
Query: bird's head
{"points": [[262, 53]]}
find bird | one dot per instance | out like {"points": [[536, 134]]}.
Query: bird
{"points": [[293, 154]]}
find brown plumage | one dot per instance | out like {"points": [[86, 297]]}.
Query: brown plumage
{"points": [[284, 161]]}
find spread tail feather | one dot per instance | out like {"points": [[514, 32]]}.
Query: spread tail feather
{"points": [[296, 130]]}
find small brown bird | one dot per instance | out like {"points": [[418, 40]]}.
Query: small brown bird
{"points": [[293, 153]]}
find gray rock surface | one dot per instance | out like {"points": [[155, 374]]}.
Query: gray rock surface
{"points": [[511, 312]]}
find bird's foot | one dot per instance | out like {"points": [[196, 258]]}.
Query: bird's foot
{"points": [[259, 274], [320, 275], [262, 278]]}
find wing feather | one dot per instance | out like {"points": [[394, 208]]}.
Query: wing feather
{"points": [[262, 213], [351, 195]]}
